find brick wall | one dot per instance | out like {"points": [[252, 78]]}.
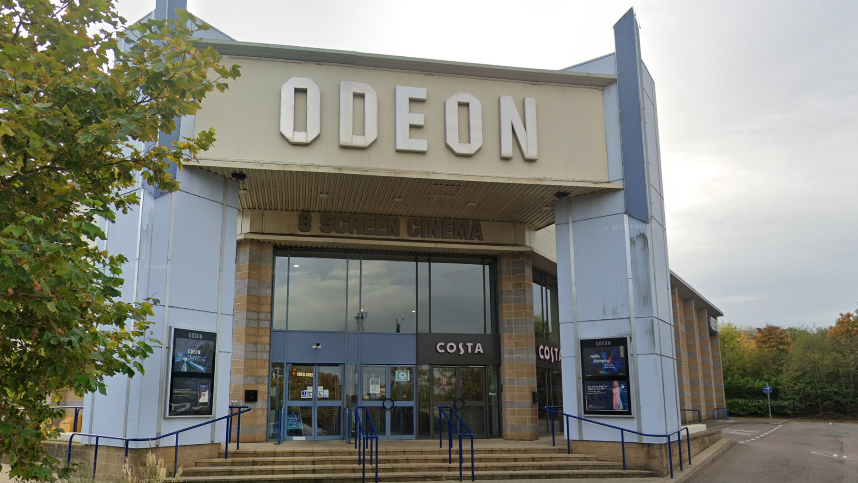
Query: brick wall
{"points": [[518, 346], [251, 333]]}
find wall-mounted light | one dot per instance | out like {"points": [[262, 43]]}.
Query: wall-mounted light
{"points": [[317, 345]]}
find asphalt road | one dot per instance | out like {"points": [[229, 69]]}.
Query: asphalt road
{"points": [[786, 452]]}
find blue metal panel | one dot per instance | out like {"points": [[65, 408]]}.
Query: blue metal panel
{"points": [[278, 346], [388, 349], [635, 181], [299, 347]]}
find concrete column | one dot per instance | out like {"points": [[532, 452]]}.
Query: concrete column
{"points": [[252, 333], [717, 371], [695, 365], [708, 382], [682, 369], [518, 347]]}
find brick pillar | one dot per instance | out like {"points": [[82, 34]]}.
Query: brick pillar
{"points": [[717, 371], [518, 347], [695, 368], [707, 383], [251, 333], [681, 355]]}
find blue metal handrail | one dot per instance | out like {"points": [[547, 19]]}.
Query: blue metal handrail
{"points": [[451, 426], [552, 411], [228, 417], [366, 436], [77, 410], [723, 411], [699, 414]]}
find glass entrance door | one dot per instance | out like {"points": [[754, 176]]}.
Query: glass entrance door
{"points": [[314, 403], [463, 388], [388, 392]]}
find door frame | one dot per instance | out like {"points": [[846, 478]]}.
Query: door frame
{"points": [[433, 421], [387, 380], [313, 403]]}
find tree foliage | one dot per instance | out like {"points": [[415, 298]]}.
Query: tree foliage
{"points": [[813, 371], [79, 118]]}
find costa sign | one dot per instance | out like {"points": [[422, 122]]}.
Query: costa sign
{"points": [[548, 354], [461, 348], [511, 122]]}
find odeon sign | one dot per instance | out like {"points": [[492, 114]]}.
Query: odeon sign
{"points": [[510, 122], [548, 354]]}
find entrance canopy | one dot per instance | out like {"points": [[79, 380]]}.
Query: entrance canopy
{"points": [[384, 135]]}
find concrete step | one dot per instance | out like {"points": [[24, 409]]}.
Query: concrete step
{"points": [[391, 459], [388, 468], [420, 476], [350, 450]]}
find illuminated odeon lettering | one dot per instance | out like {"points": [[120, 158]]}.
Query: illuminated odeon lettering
{"points": [[511, 123]]}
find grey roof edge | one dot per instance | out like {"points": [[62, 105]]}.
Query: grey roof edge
{"points": [[709, 305], [390, 62], [211, 27], [588, 61]]}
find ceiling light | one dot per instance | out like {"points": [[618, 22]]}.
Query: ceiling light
{"points": [[398, 199], [324, 195], [297, 266], [471, 204]]}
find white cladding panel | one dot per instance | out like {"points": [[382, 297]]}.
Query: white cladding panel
{"points": [[247, 118]]}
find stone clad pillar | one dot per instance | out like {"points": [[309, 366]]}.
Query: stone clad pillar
{"points": [[707, 384], [518, 347], [682, 363], [695, 366], [717, 371], [251, 334]]}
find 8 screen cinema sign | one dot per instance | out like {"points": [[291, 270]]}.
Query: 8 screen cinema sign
{"points": [[192, 373], [605, 376]]}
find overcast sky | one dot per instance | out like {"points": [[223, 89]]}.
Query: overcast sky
{"points": [[758, 117]]}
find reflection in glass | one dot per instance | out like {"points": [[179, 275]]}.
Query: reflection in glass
{"points": [[275, 399], [402, 421], [424, 415], [353, 318], [389, 293], [300, 383], [374, 383], [299, 421], [472, 383], [317, 292], [494, 411], [443, 384], [402, 383], [330, 385], [423, 294], [546, 309], [457, 304], [329, 421], [281, 279]]}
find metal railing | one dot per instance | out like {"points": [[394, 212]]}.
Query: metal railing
{"points": [[463, 432], [228, 417], [77, 410], [699, 414], [552, 410], [724, 412], [365, 435]]}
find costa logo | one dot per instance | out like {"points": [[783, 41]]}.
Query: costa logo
{"points": [[461, 348], [550, 354]]}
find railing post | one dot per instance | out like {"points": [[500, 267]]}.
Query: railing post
{"points": [[376, 457], [68, 457], [688, 439], [461, 459], [623, 446], [440, 429], [473, 471], [74, 426], [568, 438], [228, 435], [238, 433], [176, 456], [450, 430], [280, 430], [679, 441], [669, 456], [95, 457], [551, 416], [126, 450]]}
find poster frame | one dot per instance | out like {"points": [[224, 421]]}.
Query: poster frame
{"points": [[621, 341], [171, 375]]}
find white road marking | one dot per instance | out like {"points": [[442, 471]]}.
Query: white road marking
{"points": [[762, 435], [837, 456]]}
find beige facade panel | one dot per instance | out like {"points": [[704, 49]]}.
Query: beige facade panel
{"points": [[247, 118]]}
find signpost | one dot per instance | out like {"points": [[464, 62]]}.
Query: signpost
{"points": [[768, 392]]}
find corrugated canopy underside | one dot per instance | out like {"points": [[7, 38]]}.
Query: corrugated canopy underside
{"points": [[532, 204]]}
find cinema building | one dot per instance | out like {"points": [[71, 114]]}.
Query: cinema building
{"points": [[403, 234]]}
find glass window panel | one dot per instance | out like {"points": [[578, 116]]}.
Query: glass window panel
{"points": [[402, 383], [281, 272], [329, 421], [424, 414], [275, 399], [457, 304], [423, 294], [374, 383], [553, 307], [300, 379], [354, 293], [389, 293], [538, 315], [494, 411], [330, 383], [317, 292], [443, 384], [402, 421], [472, 383], [299, 421], [488, 298]]}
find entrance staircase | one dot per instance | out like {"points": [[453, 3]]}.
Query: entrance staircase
{"points": [[400, 461]]}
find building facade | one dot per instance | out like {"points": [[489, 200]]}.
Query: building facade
{"points": [[402, 234]]}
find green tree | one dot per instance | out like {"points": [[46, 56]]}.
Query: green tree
{"points": [[78, 119]]}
